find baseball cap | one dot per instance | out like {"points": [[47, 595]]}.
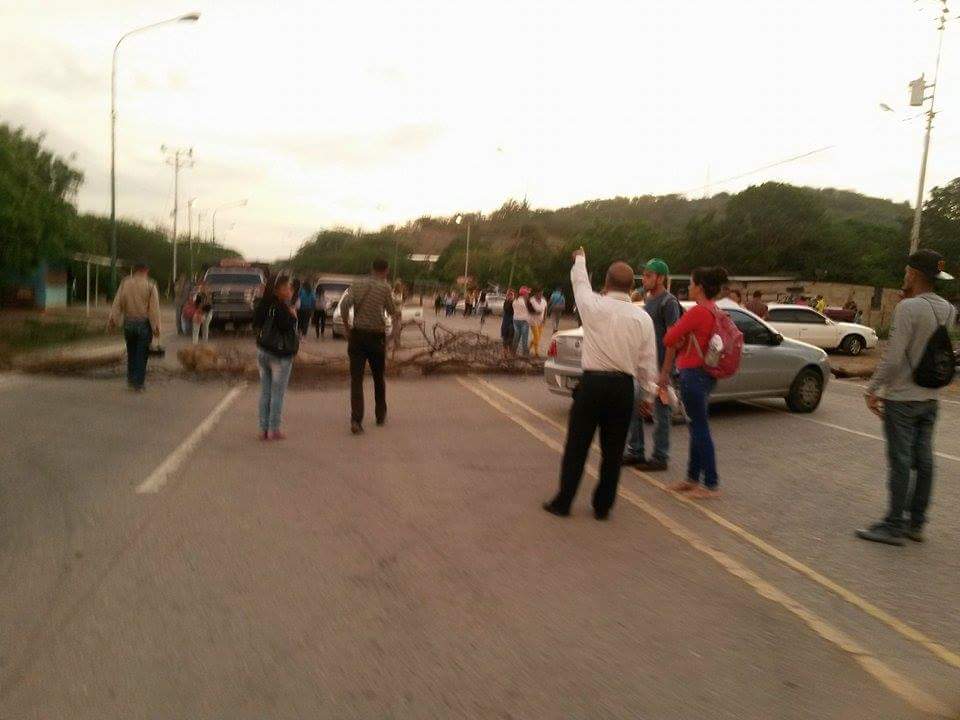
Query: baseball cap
{"points": [[930, 263], [658, 266]]}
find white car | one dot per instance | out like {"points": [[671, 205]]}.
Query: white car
{"points": [[806, 324], [406, 314]]}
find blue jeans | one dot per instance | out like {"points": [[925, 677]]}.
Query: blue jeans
{"points": [[137, 333], [908, 427], [662, 417], [274, 376], [695, 389], [521, 335]]}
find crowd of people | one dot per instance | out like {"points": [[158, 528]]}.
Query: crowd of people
{"points": [[632, 357]]}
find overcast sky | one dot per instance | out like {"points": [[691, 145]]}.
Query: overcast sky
{"points": [[370, 112]]}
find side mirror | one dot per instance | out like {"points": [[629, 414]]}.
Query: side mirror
{"points": [[776, 339]]}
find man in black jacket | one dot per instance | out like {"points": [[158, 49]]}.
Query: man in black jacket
{"points": [[371, 299]]}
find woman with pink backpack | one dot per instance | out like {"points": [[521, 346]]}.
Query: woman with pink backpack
{"points": [[706, 346]]}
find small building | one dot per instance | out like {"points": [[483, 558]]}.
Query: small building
{"points": [[42, 289]]}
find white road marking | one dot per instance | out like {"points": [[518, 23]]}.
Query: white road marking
{"points": [[880, 671], [864, 387], [945, 456], [158, 478]]}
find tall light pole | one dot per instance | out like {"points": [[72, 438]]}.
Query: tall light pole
{"points": [[466, 261], [178, 158], [238, 203], [189, 17], [917, 89], [190, 203]]}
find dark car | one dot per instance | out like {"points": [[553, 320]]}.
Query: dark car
{"points": [[233, 292]]}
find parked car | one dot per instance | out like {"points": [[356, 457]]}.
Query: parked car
{"points": [[407, 313], [806, 324], [772, 365]]}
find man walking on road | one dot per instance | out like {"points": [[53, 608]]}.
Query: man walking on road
{"points": [[619, 346], [558, 303], [369, 298], [909, 398], [138, 304], [664, 310]]}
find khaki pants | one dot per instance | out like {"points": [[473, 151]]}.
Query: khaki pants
{"points": [[537, 331]]}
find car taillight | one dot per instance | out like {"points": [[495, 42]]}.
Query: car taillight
{"points": [[552, 352]]}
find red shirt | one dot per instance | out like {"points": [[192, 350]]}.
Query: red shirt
{"points": [[701, 322]]}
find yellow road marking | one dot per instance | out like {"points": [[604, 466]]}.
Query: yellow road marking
{"points": [[883, 673], [948, 656]]}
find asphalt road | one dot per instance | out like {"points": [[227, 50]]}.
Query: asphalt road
{"points": [[409, 572]]}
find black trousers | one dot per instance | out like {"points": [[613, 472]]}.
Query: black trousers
{"points": [[365, 347], [320, 321], [603, 400]]}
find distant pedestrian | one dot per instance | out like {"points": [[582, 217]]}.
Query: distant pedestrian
{"points": [[688, 340], [664, 310], [438, 304], [757, 306], [370, 298], [538, 316], [202, 315], [903, 391], [482, 308], [320, 311], [556, 308], [522, 310], [468, 304], [736, 296], [618, 348], [820, 304], [278, 340], [308, 303], [137, 306], [506, 324]]}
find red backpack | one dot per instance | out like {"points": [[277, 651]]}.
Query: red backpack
{"points": [[725, 348]]}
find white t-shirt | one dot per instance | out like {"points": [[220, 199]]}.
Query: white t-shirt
{"points": [[520, 312], [540, 307]]}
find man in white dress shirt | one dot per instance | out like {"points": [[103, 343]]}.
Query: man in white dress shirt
{"points": [[619, 345]]}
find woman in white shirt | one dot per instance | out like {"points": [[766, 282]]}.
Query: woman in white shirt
{"points": [[522, 312], [537, 317]]}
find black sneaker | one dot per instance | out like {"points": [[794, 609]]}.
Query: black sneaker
{"points": [[381, 422], [631, 459], [556, 510], [881, 532], [356, 428], [605, 515], [652, 466], [915, 533]]}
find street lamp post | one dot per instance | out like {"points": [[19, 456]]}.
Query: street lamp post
{"points": [[466, 261], [918, 87], [189, 17], [238, 203], [190, 203], [178, 159]]}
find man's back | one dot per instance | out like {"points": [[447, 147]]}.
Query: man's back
{"points": [[370, 297], [137, 299], [757, 307], [914, 322]]}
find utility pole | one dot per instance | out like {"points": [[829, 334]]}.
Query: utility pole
{"points": [[178, 158], [190, 203], [917, 88]]}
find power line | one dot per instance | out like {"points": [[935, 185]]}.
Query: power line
{"points": [[759, 169]]}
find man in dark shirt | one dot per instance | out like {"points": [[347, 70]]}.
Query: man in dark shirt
{"points": [[664, 309], [756, 305], [371, 299]]}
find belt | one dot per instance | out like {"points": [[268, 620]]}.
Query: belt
{"points": [[608, 373]]}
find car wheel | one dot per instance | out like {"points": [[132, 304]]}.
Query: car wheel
{"points": [[806, 391], [852, 344]]}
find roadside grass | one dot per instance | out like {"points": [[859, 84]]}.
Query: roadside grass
{"points": [[23, 334]]}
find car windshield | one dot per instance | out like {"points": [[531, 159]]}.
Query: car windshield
{"points": [[235, 278]]}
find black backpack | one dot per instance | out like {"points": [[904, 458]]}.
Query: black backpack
{"points": [[937, 365], [274, 340]]}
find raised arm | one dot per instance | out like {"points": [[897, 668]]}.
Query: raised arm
{"points": [[586, 299]]}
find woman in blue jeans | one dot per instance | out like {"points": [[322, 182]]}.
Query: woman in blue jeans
{"points": [[278, 340], [688, 340]]}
